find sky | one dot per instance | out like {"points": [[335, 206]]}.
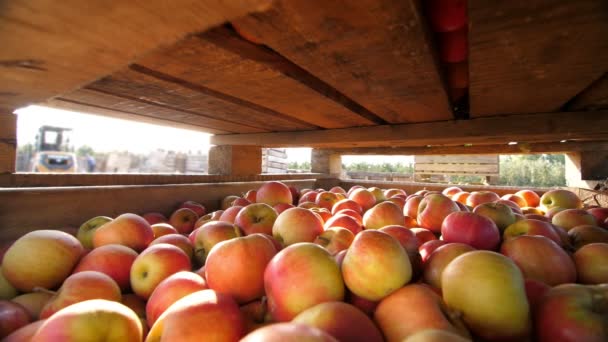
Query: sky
{"points": [[105, 134]]}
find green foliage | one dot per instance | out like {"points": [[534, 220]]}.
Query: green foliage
{"points": [[542, 170], [84, 151], [384, 167], [299, 166]]}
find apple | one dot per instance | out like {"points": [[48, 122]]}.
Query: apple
{"points": [[358, 217], [397, 320], [532, 199], [198, 208], [226, 202], [112, 260], [470, 228], [169, 291], [80, 287], [337, 190], [317, 275], [462, 207], [435, 335], [501, 214], [154, 217], [367, 306], [488, 289], [427, 248], [399, 201], [12, 317], [346, 204], [478, 197], [42, 258], [255, 315], [87, 230], [256, 218], [451, 191], [406, 237], [281, 332], [573, 312], [423, 235], [154, 265], [389, 193], [183, 220], [532, 227], [375, 265], [592, 263], [383, 214], [281, 207], [138, 305], [251, 195], [433, 209], [229, 214], [273, 193], [209, 235], [411, 206], [537, 217], [295, 195], [586, 234], [310, 196], [7, 291], [241, 202], [601, 216], [364, 198], [439, 259], [378, 194], [335, 239], [461, 197], [353, 188], [33, 302], [326, 200], [307, 205], [520, 201], [128, 230], [540, 259], [341, 320], [25, 333], [560, 198], [92, 320], [161, 229], [535, 291], [514, 207], [553, 211], [176, 240], [570, 218], [296, 225], [236, 267]]}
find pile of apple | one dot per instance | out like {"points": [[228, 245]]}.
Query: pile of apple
{"points": [[282, 264]]}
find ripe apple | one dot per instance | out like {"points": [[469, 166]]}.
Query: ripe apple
{"points": [[169, 291], [198, 208], [378, 194], [257, 218], [341, 320], [229, 214], [317, 275], [423, 235], [344, 221], [601, 216], [451, 191], [214, 216], [375, 265], [92, 320], [33, 302], [281, 207], [176, 240], [273, 193], [295, 195], [383, 214], [406, 237], [503, 311], [296, 225], [553, 211], [439, 259], [470, 228], [226, 202], [161, 229], [112, 260], [353, 188], [397, 320], [592, 263], [532, 199], [346, 204], [358, 217], [433, 209], [7, 291], [335, 239], [570, 218], [326, 200], [310, 196], [364, 198], [427, 248], [586, 234], [307, 205], [389, 193], [478, 197], [399, 201], [80, 287], [338, 190], [540, 259], [209, 235], [501, 214], [42, 258], [461, 197], [128, 230], [155, 264], [411, 206], [12, 317], [520, 201], [255, 315], [537, 217], [560, 198], [281, 332], [573, 312], [183, 220], [236, 267], [514, 207], [25, 333], [532, 227], [87, 230], [435, 335], [251, 195]]}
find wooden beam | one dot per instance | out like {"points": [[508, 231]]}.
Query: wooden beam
{"points": [[487, 130], [595, 97], [8, 141], [326, 162], [235, 160], [376, 52], [52, 47], [533, 56]]}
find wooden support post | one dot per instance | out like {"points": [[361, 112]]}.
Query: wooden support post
{"points": [[235, 160], [326, 162], [586, 168], [8, 141]]}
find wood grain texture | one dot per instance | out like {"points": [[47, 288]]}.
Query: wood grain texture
{"points": [[8, 141], [534, 56], [595, 97], [219, 60], [52, 47], [375, 52], [527, 128]]}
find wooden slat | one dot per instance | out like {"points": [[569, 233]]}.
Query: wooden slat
{"points": [[533, 56], [8, 141], [478, 169], [140, 86], [376, 52], [221, 61], [593, 98], [487, 130], [480, 159], [52, 47], [150, 109]]}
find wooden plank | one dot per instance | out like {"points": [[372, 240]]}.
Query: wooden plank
{"points": [[487, 130], [8, 141], [595, 97], [375, 52], [52, 47], [275, 152], [71, 206], [150, 109], [464, 159], [477, 169], [533, 56], [219, 60], [139, 86]]}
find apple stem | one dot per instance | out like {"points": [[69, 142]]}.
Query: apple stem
{"points": [[42, 289]]}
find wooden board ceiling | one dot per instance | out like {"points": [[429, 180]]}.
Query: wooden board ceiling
{"points": [[341, 73]]}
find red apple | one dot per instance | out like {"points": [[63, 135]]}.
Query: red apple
{"points": [[535, 291], [532, 227], [346, 204], [296, 225], [87, 230], [33, 302], [423, 235], [256, 218], [323, 214], [353, 188], [520, 201], [176, 240], [251, 195], [378, 194], [128, 230], [601, 216], [592, 263], [112, 260], [411, 206], [282, 332], [470, 228], [478, 197], [406, 237], [451, 191], [501, 214], [335, 239], [229, 214], [439, 259], [281, 207], [571, 218], [183, 220], [433, 209], [389, 193], [367, 306], [541, 259], [514, 207], [383, 214], [461, 197], [532, 199], [338, 190], [241, 202], [214, 216], [427, 248], [209, 235], [154, 217], [537, 217], [295, 195], [364, 198], [310, 196], [586, 234], [25, 333], [326, 200], [560, 198], [12, 317], [198, 208], [161, 229], [358, 217], [435, 335], [273, 193]]}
